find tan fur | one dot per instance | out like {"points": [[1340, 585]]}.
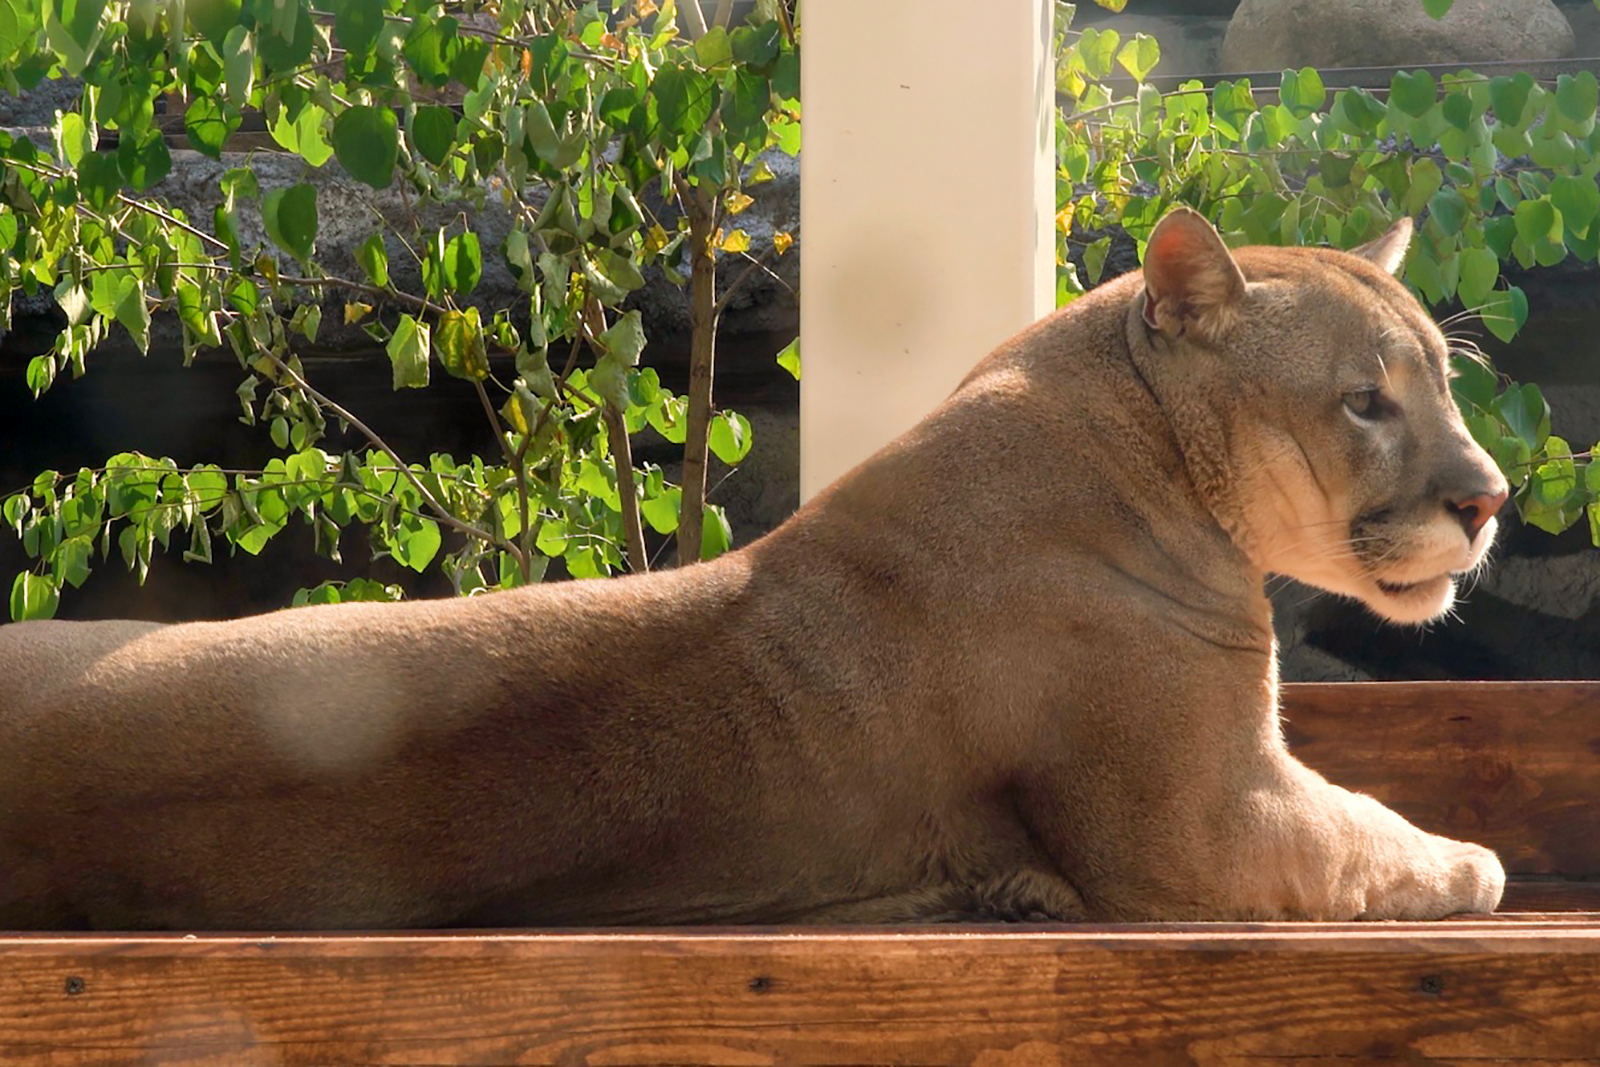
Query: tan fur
{"points": [[1018, 664]]}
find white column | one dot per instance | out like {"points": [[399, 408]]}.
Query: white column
{"points": [[927, 207]]}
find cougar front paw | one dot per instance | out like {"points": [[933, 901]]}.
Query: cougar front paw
{"points": [[1478, 880], [1458, 877]]}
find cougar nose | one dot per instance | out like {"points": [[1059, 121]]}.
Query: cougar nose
{"points": [[1476, 511]]}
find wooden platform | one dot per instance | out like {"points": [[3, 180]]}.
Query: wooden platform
{"points": [[1515, 766]]}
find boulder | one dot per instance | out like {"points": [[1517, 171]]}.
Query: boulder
{"points": [[1273, 34]]}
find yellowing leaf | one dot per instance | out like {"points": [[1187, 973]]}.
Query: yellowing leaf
{"points": [[738, 202], [782, 241], [355, 311], [737, 241], [655, 239]]}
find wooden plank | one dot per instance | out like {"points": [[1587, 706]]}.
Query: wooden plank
{"points": [[1558, 895], [1511, 765], [1474, 990]]}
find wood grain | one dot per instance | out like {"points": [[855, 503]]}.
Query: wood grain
{"points": [[1511, 765], [1526, 894], [1152, 996]]}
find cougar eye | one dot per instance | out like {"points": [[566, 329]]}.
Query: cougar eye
{"points": [[1363, 403]]}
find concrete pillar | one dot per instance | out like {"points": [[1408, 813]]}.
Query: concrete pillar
{"points": [[927, 206]]}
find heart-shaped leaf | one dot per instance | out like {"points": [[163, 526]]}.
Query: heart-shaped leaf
{"points": [[1414, 93]]}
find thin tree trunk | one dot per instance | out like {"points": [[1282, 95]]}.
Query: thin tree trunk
{"points": [[622, 456], [693, 19], [701, 205]]}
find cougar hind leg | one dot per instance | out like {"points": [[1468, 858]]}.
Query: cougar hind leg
{"points": [[1020, 896]]}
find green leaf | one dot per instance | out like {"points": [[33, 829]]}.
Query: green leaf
{"points": [[133, 313], [74, 138], [415, 542], [716, 536], [1426, 179], [358, 24], [304, 135], [1437, 8], [433, 132], [209, 125], [1578, 200], [213, 18], [366, 141], [1508, 96], [1577, 96], [1094, 258], [1499, 233], [99, 180], [70, 561], [74, 29], [238, 66], [17, 22], [290, 216], [1537, 220], [1097, 49], [459, 339], [1525, 413], [1358, 110], [1504, 312], [625, 339], [1557, 478], [1413, 93], [730, 437], [431, 47], [1480, 269], [661, 511], [1457, 110], [374, 259], [789, 358], [684, 101], [290, 39], [408, 353], [1474, 385], [461, 263], [1139, 56], [756, 46], [714, 48], [1302, 91], [745, 106], [143, 158], [610, 380], [612, 274], [74, 302], [552, 537], [33, 596]]}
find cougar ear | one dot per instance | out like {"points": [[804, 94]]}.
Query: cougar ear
{"points": [[1191, 281], [1388, 251]]}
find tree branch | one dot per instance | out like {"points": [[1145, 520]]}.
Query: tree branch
{"points": [[594, 321], [700, 205], [440, 511], [622, 457], [517, 462], [691, 19]]}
